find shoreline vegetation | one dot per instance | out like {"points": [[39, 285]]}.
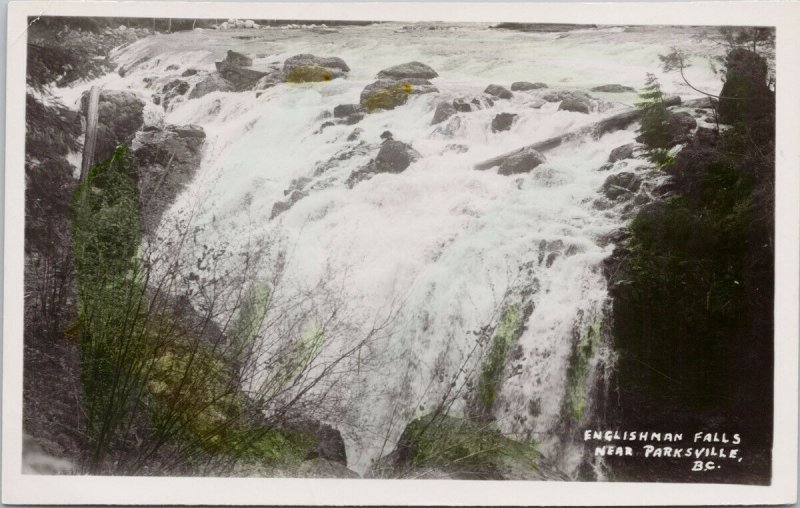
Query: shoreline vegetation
{"points": [[124, 376]]}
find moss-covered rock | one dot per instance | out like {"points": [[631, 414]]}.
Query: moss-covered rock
{"points": [[389, 94]]}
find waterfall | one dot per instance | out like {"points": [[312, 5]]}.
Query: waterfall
{"points": [[440, 250]]}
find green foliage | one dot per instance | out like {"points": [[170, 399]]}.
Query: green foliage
{"points": [[578, 369], [140, 362], [654, 128], [686, 296], [450, 443], [505, 335]]}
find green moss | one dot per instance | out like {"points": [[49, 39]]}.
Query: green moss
{"points": [[578, 369], [450, 443], [504, 337], [389, 97], [309, 73]]}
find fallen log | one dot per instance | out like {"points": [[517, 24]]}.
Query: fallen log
{"points": [[612, 123]]}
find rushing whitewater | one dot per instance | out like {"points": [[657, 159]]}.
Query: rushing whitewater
{"points": [[438, 251]]}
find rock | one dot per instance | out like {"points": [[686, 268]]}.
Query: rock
{"points": [[680, 126], [503, 121], [705, 136], [621, 185], [613, 89], [281, 206], [357, 132], [173, 67], [239, 77], [523, 161], [238, 59], [524, 86], [622, 152], [120, 115], [498, 91], [408, 70], [575, 104], [211, 83], [562, 95], [444, 110], [249, 23], [458, 148], [167, 160], [188, 72], [461, 106], [173, 89], [388, 94], [353, 119], [394, 157], [330, 62], [270, 80], [345, 110], [308, 68], [386, 135]]}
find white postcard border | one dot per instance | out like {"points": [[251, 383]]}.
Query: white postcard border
{"points": [[33, 489]]}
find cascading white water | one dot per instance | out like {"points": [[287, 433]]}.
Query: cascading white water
{"points": [[443, 245]]}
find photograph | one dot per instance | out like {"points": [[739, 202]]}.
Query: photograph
{"points": [[496, 252]]}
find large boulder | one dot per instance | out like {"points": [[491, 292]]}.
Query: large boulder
{"points": [[389, 93], [240, 78], [345, 110], [503, 121], [524, 86], [576, 104], [408, 70], [395, 156], [622, 152], [621, 185], [306, 68], [120, 115], [498, 91], [238, 59], [444, 110], [167, 160], [680, 127], [524, 161], [613, 89], [211, 83]]}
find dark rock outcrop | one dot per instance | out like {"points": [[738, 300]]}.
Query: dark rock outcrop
{"points": [[345, 110], [189, 72], [120, 115], [622, 152], [498, 91], [408, 70], [393, 157], [238, 59], [621, 185], [680, 126], [613, 89], [523, 86], [167, 160], [173, 89], [269, 80], [524, 161], [562, 95], [211, 83], [241, 78], [576, 104], [503, 121], [444, 110]]}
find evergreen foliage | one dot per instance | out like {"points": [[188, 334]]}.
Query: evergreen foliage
{"points": [[654, 128]]}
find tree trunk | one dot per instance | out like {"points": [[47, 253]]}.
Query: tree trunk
{"points": [[92, 112]]}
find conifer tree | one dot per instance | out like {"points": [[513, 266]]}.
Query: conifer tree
{"points": [[654, 126]]}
